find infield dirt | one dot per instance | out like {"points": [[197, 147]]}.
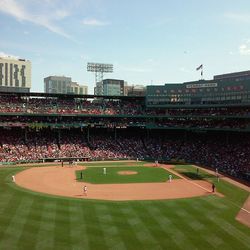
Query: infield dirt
{"points": [[62, 181]]}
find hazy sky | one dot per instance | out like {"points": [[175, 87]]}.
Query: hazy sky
{"points": [[148, 41]]}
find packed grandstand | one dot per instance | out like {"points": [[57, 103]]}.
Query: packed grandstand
{"points": [[41, 127]]}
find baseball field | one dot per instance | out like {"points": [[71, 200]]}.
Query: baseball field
{"points": [[34, 218]]}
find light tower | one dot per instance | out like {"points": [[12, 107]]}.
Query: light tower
{"points": [[99, 69]]}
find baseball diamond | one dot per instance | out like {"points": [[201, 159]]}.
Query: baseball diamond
{"points": [[61, 181], [91, 172]]}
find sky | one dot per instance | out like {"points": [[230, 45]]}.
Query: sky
{"points": [[147, 41]]}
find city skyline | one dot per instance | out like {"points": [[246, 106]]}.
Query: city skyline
{"points": [[154, 42]]}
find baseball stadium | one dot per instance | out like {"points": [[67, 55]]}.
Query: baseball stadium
{"points": [[168, 170]]}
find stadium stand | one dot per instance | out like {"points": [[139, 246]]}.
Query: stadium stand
{"points": [[41, 127]]}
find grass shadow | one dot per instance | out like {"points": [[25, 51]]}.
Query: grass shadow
{"points": [[193, 176]]}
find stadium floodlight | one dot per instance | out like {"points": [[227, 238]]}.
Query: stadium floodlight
{"points": [[99, 69]]}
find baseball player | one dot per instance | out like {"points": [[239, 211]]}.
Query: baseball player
{"points": [[170, 178], [85, 190]]}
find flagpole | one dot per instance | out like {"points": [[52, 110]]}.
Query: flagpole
{"points": [[200, 68]]}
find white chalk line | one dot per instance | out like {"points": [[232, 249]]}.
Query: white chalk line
{"points": [[196, 184], [242, 208]]}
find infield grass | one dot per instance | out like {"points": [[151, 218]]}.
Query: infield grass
{"points": [[30, 220], [95, 175]]}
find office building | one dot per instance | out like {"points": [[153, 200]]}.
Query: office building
{"points": [[63, 85], [112, 87], [15, 75]]}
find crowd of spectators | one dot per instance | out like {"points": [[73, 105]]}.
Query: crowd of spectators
{"points": [[123, 122], [12, 104], [231, 157], [202, 118], [49, 105]]}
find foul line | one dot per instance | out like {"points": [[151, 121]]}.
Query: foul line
{"points": [[183, 177], [196, 184], [242, 208]]}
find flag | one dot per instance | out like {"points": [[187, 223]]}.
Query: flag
{"points": [[200, 67]]}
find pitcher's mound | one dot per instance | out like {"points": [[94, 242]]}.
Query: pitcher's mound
{"points": [[127, 172]]}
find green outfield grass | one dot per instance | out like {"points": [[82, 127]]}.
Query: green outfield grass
{"points": [[233, 193], [192, 173], [30, 220], [144, 175]]}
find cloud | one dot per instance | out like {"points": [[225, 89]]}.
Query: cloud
{"points": [[12, 8], [94, 22], [3, 54], [36, 14], [43, 21], [239, 17], [244, 49], [60, 14]]}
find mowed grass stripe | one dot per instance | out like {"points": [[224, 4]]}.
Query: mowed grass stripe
{"points": [[216, 224], [213, 211], [15, 227], [8, 198], [169, 232], [227, 210], [96, 237], [243, 238], [231, 239], [111, 233], [121, 214], [208, 205], [31, 227], [207, 213], [197, 227], [8, 211], [45, 235], [141, 230], [78, 231], [62, 238], [196, 217], [157, 228]]}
